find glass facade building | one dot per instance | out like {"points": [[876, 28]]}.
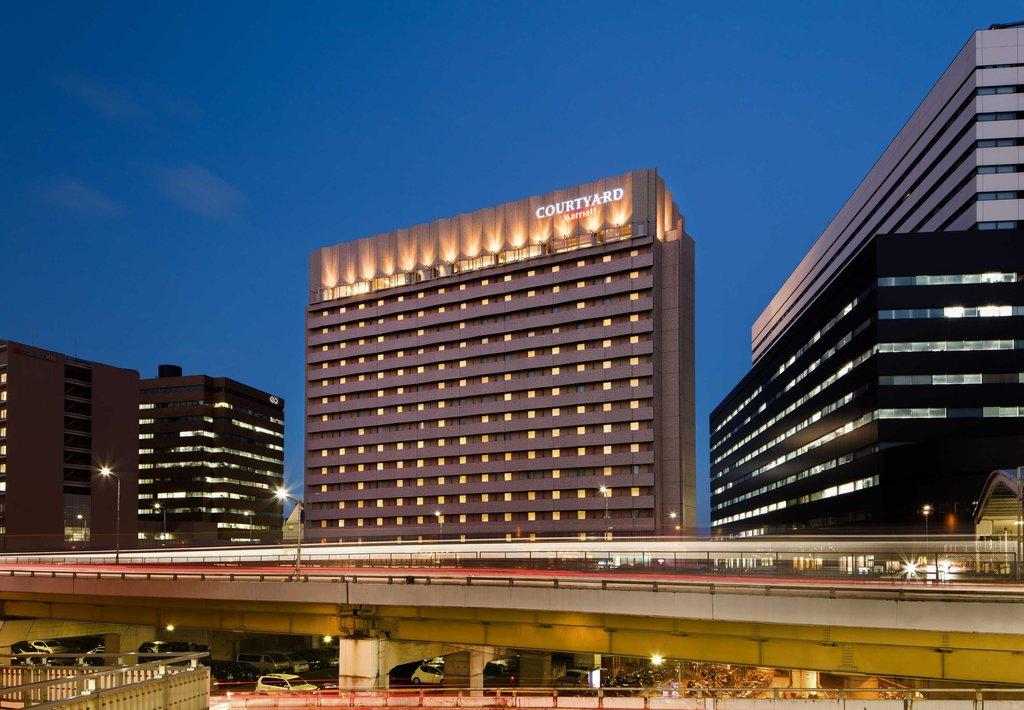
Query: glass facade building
{"points": [[888, 371]]}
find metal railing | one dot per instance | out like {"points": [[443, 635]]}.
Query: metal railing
{"points": [[954, 565], [680, 698], [753, 586], [55, 685]]}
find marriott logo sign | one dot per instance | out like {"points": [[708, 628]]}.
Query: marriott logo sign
{"points": [[572, 210]]}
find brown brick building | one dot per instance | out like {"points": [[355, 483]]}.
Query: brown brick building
{"points": [[61, 420]]}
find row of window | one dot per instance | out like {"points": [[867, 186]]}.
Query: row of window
{"points": [[209, 480], [844, 370], [807, 371], [568, 312], [200, 403], [954, 379], [1005, 89], [999, 169], [213, 450], [583, 344], [885, 413], [524, 516], [209, 464], [992, 277], [999, 195], [470, 304], [469, 478], [818, 335], [593, 386], [1000, 116], [988, 226], [1001, 311], [514, 435], [830, 492], [950, 346], [799, 426], [489, 438], [490, 497], [485, 261]]}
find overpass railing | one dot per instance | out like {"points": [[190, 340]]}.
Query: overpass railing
{"points": [[951, 563], [637, 698], [756, 587], [135, 681]]}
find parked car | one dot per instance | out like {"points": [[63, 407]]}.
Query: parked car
{"points": [[265, 662], [329, 656], [95, 657], [25, 654], [283, 683], [164, 647], [230, 673], [49, 646], [428, 674], [573, 678], [314, 659], [501, 674], [299, 664]]}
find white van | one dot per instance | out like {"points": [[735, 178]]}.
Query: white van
{"points": [[265, 662]]}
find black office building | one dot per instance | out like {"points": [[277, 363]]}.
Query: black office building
{"points": [[888, 371], [902, 387]]}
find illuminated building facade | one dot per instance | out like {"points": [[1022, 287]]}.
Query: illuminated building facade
{"points": [[523, 370], [61, 420], [888, 371], [211, 457]]}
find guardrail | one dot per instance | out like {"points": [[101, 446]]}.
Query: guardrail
{"points": [[633, 698], [956, 564], [924, 591], [46, 686]]}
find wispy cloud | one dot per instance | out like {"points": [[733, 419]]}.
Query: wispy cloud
{"points": [[107, 102], [200, 191], [77, 198]]}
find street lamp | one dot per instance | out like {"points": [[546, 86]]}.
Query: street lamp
{"points": [[607, 493], [926, 510], [440, 523], [164, 511], [283, 495], [673, 516], [1020, 518], [107, 472]]}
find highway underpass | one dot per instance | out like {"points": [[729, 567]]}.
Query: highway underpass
{"points": [[964, 632]]}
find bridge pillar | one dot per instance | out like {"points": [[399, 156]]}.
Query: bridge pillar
{"points": [[359, 663]]}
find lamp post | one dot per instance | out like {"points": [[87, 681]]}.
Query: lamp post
{"points": [[283, 495], [1020, 518], [607, 493], [440, 523], [164, 511], [106, 472], [926, 510], [673, 516]]}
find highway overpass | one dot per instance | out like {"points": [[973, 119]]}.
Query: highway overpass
{"points": [[945, 610]]}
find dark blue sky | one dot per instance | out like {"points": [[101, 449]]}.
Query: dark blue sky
{"points": [[164, 171]]}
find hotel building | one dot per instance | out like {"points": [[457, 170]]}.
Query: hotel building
{"points": [[211, 457], [522, 370], [62, 420], [888, 372]]}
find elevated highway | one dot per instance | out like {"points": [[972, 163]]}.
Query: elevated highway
{"points": [[924, 610]]}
